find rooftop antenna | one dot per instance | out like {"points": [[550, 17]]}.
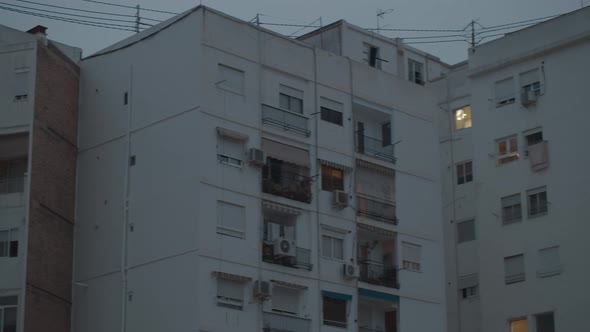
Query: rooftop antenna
{"points": [[137, 19], [380, 14]]}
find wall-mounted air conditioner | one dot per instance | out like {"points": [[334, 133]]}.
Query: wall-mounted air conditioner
{"points": [[261, 290], [340, 199], [284, 247], [351, 271], [256, 157], [528, 97]]}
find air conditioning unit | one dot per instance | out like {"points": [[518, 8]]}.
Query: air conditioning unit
{"points": [[256, 156], [340, 199], [284, 247], [351, 271], [528, 97], [261, 290]]}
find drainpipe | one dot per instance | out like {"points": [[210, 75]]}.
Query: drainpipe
{"points": [[353, 177], [318, 188]]}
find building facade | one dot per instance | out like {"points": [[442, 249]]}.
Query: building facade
{"points": [[233, 178], [38, 135]]}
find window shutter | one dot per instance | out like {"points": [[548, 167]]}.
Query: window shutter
{"points": [[514, 265], [231, 147], [466, 231], [511, 200], [21, 80], [529, 77], [411, 252], [230, 289], [230, 216], [289, 91], [285, 299], [549, 259], [331, 104], [504, 89], [231, 78], [374, 183]]}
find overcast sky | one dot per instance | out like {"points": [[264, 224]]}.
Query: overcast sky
{"points": [[406, 14]]}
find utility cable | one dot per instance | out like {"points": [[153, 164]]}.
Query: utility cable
{"points": [[132, 7]]}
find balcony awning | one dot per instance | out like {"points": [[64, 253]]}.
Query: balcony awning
{"points": [[378, 168], [468, 281], [379, 296], [373, 229], [288, 284], [285, 152], [229, 276], [282, 208], [337, 296], [231, 134], [335, 165]]}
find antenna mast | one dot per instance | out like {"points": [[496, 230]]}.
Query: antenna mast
{"points": [[380, 14]]}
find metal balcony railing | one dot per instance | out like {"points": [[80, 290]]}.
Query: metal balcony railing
{"points": [[374, 147], [302, 259], [366, 329], [273, 322], [376, 210], [289, 185], [378, 274], [12, 185], [285, 120]]}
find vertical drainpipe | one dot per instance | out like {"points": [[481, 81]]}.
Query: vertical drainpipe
{"points": [[260, 303], [126, 207], [318, 188], [353, 172]]}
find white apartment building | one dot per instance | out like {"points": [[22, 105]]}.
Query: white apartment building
{"points": [[515, 181], [231, 178]]}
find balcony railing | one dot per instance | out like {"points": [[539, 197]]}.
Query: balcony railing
{"points": [[289, 185], [366, 329], [285, 120], [12, 185], [374, 147], [378, 274], [302, 259], [377, 210], [282, 323]]}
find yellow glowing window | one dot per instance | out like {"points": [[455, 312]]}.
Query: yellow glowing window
{"points": [[519, 325], [463, 118]]}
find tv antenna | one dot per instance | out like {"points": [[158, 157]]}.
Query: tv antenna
{"points": [[380, 14]]}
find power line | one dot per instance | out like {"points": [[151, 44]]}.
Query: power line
{"points": [[76, 9], [437, 41], [431, 37], [290, 25], [132, 7], [416, 30], [507, 28], [531, 20]]}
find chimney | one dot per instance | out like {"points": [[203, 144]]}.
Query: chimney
{"points": [[41, 33]]}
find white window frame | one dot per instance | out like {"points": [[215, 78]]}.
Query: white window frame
{"points": [[408, 264], [412, 64], [509, 155], [463, 166], [291, 94], [467, 113], [535, 86], [504, 204], [509, 98], [297, 300], [8, 306], [222, 84], [21, 93], [227, 302], [6, 244], [224, 230], [333, 236], [469, 292], [514, 278], [542, 271], [537, 192]]}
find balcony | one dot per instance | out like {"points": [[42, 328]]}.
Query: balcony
{"points": [[366, 329], [377, 210], [374, 147], [282, 323], [286, 184], [285, 120], [376, 273], [302, 259], [12, 191]]}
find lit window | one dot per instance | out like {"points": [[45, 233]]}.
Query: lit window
{"points": [[519, 325], [469, 292], [415, 72], [290, 99], [537, 201], [545, 322], [230, 293], [9, 243], [411, 254], [462, 118], [504, 92], [466, 231], [507, 150], [514, 269], [549, 262], [511, 209], [333, 247], [8, 308], [332, 178], [231, 79], [464, 172]]}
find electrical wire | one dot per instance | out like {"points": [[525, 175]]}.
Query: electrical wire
{"points": [[437, 41], [431, 37], [289, 25], [414, 30], [132, 7], [506, 28], [531, 20], [309, 25]]}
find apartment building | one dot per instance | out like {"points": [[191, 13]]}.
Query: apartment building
{"points": [[515, 181], [38, 123], [232, 178]]}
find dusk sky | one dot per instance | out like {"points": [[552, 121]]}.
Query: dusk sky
{"points": [[406, 14]]}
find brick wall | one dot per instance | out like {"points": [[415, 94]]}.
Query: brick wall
{"points": [[53, 186]]}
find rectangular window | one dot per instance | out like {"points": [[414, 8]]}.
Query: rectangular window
{"points": [[9, 243], [511, 209], [231, 79], [231, 219], [230, 294], [519, 325], [334, 311], [469, 292], [545, 322], [411, 254], [514, 269], [507, 149], [462, 117], [290, 99], [331, 111], [333, 246], [332, 178], [386, 134], [504, 92], [549, 262], [285, 300], [8, 310], [230, 151], [537, 201], [372, 56], [466, 231], [529, 81], [415, 72], [464, 172], [21, 82]]}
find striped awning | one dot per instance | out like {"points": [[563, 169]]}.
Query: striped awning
{"points": [[378, 168], [286, 153], [288, 284], [337, 296], [282, 208], [231, 134], [377, 230], [335, 165], [229, 276], [379, 296]]}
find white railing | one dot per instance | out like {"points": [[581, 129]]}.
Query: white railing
{"points": [[273, 322]]}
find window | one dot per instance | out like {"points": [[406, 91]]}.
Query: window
{"points": [[529, 81], [507, 149], [12, 174], [511, 209], [514, 269], [462, 118], [386, 134], [331, 111], [469, 292], [372, 56], [332, 178], [8, 308], [466, 231], [230, 151], [290, 99], [333, 245], [464, 172], [415, 72], [231, 79], [231, 219], [411, 256], [533, 139], [9, 243], [21, 82], [536, 149], [549, 262], [125, 98], [334, 311], [504, 92], [285, 299], [230, 293], [537, 201], [545, 322], [519, 325]]}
